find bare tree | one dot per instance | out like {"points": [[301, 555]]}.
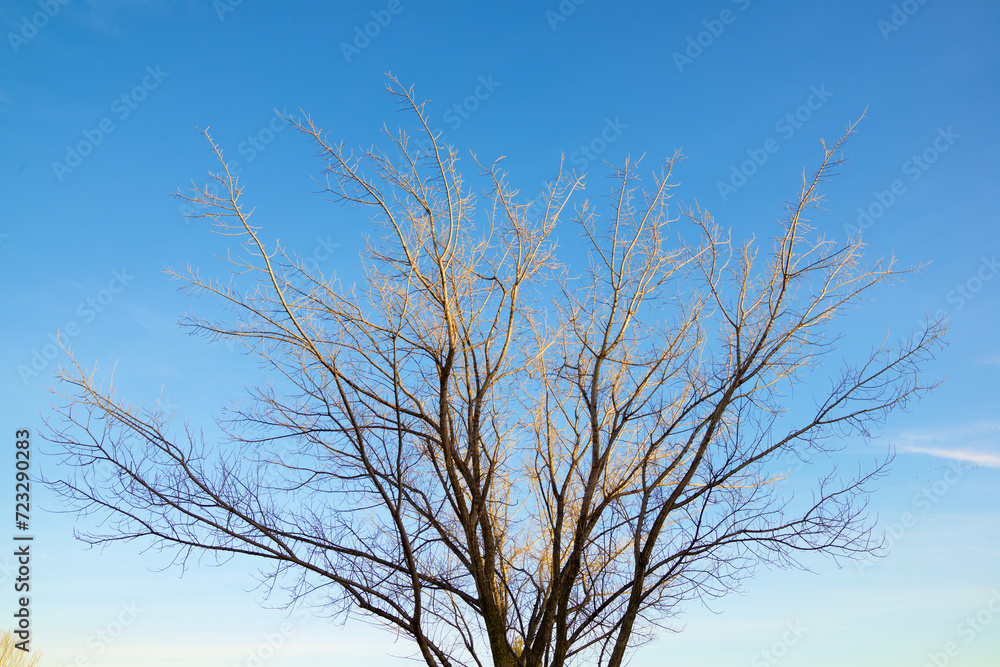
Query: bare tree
{"points": [[507, 461]]}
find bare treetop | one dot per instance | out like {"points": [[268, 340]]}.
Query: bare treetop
{"points": [[508, 460]]}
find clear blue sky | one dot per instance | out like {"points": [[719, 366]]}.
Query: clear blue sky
{"points": [[100, 101]]}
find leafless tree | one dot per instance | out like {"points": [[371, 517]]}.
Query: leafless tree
{"points": [[509, 461]]}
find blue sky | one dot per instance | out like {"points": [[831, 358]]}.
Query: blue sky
{"points": [[100, 105]]}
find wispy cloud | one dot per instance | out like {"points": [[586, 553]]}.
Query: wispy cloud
{"points": [[987, 459], [977, 443]]}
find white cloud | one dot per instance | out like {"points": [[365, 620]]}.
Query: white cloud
{"points": [[987, 459], [977, 443]]}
